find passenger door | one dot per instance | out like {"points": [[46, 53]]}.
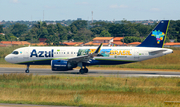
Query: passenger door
{"points": [[136, 54], [26, 54]]}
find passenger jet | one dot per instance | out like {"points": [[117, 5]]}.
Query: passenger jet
{"points": [[67, 58]]}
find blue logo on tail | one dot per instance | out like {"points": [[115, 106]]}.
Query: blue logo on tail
{"points": [[159, 35]]}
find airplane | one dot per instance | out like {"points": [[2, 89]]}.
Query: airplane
{"points": [[67, 58]]}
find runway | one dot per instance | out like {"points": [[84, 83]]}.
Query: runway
{"points": [[109, 73]]}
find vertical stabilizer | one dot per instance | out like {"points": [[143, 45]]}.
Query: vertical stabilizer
{"points": [[158, 36]]}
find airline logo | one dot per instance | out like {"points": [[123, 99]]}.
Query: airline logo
{"points": [[121, 52], [159, 35], [35, 53]]}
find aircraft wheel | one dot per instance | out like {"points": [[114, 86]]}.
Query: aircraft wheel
{"points": [[85, 70], [27, 71], [81, 71]]}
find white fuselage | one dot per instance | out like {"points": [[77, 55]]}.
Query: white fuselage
{"points": [[31, 55]]}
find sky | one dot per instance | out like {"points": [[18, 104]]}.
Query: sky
{"points": [[27, 10]]}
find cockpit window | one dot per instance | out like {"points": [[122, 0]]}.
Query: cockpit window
{"points": [[15, 52]]}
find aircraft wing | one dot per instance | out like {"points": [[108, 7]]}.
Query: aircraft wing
{"points": [[85, 58]]}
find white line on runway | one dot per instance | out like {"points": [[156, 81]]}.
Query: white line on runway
{"points": [[137, 75]]}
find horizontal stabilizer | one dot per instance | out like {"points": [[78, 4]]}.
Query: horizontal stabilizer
{"points": [[156, 52]]}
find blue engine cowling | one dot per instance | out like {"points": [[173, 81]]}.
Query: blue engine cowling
{"points": [[61, 65]]}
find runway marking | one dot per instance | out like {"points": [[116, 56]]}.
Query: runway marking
{"points": [[154, 75]]}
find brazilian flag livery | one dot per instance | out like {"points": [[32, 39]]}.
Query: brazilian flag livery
{"points": [[158, 36]]}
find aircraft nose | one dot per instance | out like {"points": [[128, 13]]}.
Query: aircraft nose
{"points": [[7, 58]]}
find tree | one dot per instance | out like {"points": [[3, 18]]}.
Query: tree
{"points": [[143, 29], [101, 24], [73, 29], [10, 37], [18, 29], [51, 29], [130, 39], [105, 33], [167, 39], [44, 24], [62, 32], [116, 30], [178, 38], [97, 30], [1, 29], [43, 33], [2, 38], [80, 24], [83, 35], [52, 39]]}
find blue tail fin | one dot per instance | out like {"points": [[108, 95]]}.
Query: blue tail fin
{"points": [[158, 36]]}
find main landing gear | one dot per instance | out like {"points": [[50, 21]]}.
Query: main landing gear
{"points": [[83, 70], [27, 70]]}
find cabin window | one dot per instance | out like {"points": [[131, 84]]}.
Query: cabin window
{"points": [[71, 52], [15, 52], [67, 52], [64, 52]]}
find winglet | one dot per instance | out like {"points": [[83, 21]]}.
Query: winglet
{"points": [[98, 49]]}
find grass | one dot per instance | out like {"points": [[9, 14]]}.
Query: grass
{"points": [[88, 91]]}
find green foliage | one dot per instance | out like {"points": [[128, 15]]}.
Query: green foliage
{"points": [[97, 30], [73, 29], [1, 29], [62, 32], [77, 31], [2, 38], [13, 38], [143, 29], [130, 39], [10, 37], [18, 29], [167, 39], [80, 24], [105, 33], [178, 38], [83, 35]]}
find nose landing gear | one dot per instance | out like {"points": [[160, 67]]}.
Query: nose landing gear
{"points": [[27, 70]]}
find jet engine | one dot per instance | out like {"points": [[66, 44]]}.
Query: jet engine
{"points": [[61, 65]]}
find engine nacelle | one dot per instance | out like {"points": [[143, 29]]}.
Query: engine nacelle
{"points": [[61, 65]]}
